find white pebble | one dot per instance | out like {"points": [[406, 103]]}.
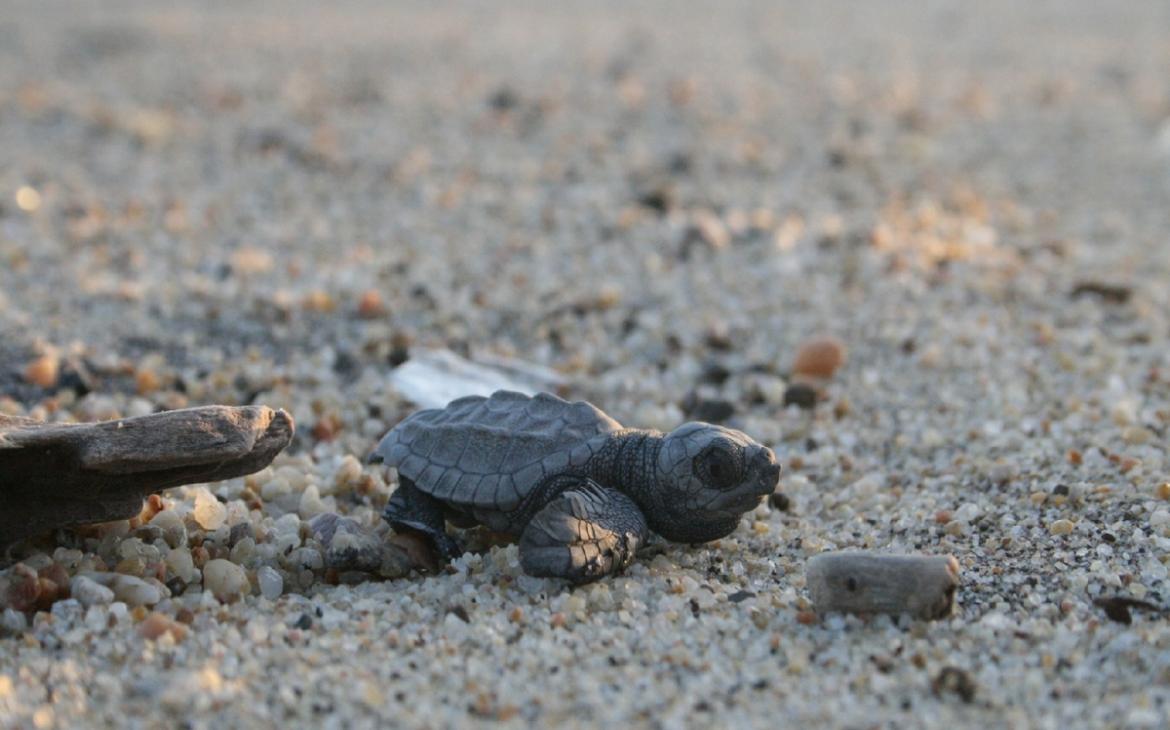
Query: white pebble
{"points": [[180, 563], [967, 512], [209, 511], [13, 621], [89, 592], [311, 505], [173, 529], [135, 591], [348, 472], [225, 580], [271, 582], [96, 618]]}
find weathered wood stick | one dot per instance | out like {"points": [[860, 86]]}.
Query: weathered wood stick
{"points": [[57, 475], [856, 582]]}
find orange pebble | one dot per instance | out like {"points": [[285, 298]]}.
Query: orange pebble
{"points": [[43, 371], [155, 625], [319, 301], [371, 305], [819, 357], [146, 381]]}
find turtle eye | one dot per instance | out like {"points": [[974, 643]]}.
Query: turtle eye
{"points": [[718, 468]]}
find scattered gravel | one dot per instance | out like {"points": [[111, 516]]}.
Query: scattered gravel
{"points": [[655, 206]]}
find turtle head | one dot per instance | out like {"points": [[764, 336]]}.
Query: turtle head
{"points": [[708, 477]]}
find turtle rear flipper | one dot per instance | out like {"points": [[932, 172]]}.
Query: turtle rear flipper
{"points": [[584, 534]]}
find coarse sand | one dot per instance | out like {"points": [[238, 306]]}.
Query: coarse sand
{"points": [[279, 202]]}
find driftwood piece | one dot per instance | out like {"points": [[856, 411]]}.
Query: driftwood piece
{"points": [[856, 582], [57, 475]]}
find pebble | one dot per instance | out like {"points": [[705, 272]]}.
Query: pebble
{"points": [[503, 232], [310, 504], [209, 511], [225, 580], [20, 589], [134, 591], [43, 371], [13, 621], [800, 395], [156, 624], [819, 357], [1061, 527], [182, 565], [1160, 518], [967, 512], [174, 532], [270, 581], [371, 305], [90, 592]]}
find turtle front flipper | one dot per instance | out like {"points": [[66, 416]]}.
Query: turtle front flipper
{"points": [[586, 533], [412, 509]]}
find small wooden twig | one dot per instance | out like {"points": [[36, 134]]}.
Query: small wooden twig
{"points": [[855, 582], [57, 475]]}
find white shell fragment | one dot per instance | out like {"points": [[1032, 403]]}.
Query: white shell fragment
{"points": [[923, 586], [434, 378]]}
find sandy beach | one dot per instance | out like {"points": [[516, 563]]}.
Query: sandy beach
{"points": [[648, 206]]}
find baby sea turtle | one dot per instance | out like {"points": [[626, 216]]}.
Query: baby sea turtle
{"points": [[580, 491]]}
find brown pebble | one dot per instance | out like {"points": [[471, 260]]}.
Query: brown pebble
{"points": [[56, 573], [841, 409], [43, 371], [134, 566], [819, 357], [558, 620], [318, 301], [48, 592], [1162, 491], [1074, 457], [156, 624], [200, 556], [146, 381], [516, 615], [185, 616], [370, 305], [942, 517], [138, 613], [327, 428], [808, 618]]}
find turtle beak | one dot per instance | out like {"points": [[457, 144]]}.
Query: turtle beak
{"points": [[768, 469]]}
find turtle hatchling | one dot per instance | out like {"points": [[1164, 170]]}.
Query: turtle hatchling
{"points": [[581, 492]]}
